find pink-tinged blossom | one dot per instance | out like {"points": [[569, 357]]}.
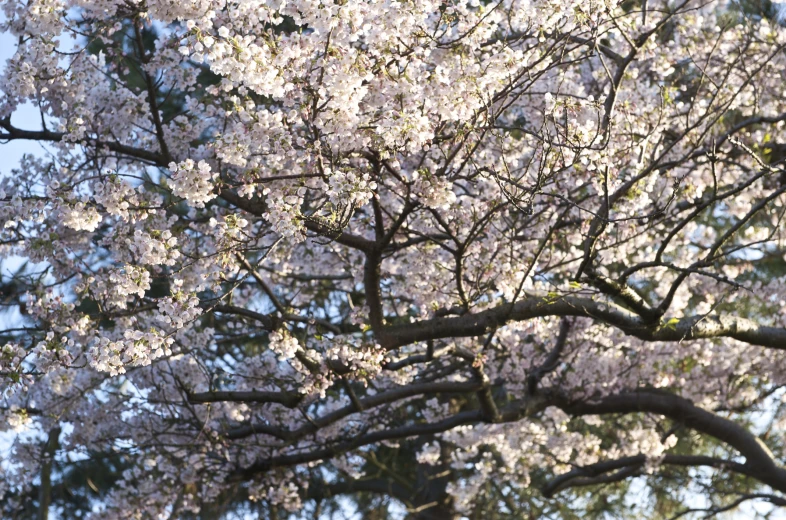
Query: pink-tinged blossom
{"points": [[193, 182]]}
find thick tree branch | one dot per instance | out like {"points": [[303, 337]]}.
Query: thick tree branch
{"points": [[365, 403], [401, 432], [340, 236], [268, 322], [372, 285], [287, 399], [759, 462], [13, 133], [533, 306], [627, 466]]}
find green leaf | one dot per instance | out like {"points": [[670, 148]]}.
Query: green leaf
{"points": [[672, 324]]}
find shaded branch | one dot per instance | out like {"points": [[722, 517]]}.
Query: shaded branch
{"points": [[759, 462], [534, 306], [363, 404], [13, 133], [287, 399], [628, 466]]}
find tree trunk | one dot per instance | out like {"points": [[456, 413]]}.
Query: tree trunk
{"points": [[45, 490], [432, 502]]}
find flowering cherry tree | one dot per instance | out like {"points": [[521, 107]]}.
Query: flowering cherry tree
{"points": [[532, 247]]}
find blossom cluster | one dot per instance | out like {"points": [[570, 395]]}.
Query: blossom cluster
{"points": [[193, 182]]}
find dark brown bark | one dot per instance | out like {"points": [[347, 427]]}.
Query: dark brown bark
{"points": [[45, 489]]}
